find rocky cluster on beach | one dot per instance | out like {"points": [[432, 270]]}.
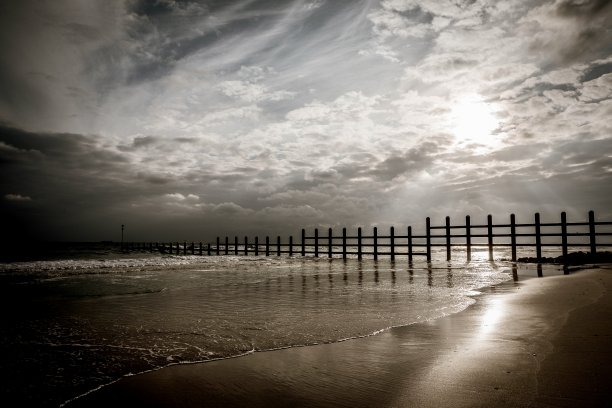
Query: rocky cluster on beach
{"points": [[574, 258]]}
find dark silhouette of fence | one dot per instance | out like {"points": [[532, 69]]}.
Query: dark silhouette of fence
{"points": [[511, 235]]}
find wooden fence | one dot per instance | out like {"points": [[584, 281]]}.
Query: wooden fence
{"points": [[513, 235]]}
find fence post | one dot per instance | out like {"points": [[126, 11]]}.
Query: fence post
{"points": [[267, 245], [278, 246], [208, 249], [448, 239], [592, 232], [359, 243], [316, 243], [564, 235], [513, 236], [200, 248], [257, 246], [235, 245], [538, 237], [184, 247], [375, 243], [329, 243], [410, 244], [290, 245], [303, 242], [246, 245], [192, 248], [428, 238], [226, 245], [343, 243], [490, 236], [392, 242], [468, 238], [218, 245], [178, 248]]}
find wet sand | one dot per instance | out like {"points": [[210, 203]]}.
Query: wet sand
{"points": [[540, 343]]}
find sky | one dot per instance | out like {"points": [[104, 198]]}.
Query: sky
{"points": [[185, 120]]}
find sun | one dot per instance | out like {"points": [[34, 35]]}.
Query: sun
{"points": [[473, 122]]}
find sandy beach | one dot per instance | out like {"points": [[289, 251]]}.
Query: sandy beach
{"points": [[544, 342]]}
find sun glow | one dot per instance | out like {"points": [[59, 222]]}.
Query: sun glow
{"points": [[473, 122]]}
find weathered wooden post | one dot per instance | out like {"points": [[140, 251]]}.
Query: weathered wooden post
{"points": [[267, 245], [538, 236], [303, 242], [375, 244], [448, 239], [428, 238], [513, 236], [226, 245], [410, 244], [316, 243], [564, 235], [329, 243], [246, 246], [592, 232], [208, 249], [200, 248], [257, 246], [468, 238], [218, 245], [192, 248], [278, 245], [178, 248], [359, 243], [235, 245], [343, 243], [290, 245], [490, 236], [184, 247], [392, 242]]}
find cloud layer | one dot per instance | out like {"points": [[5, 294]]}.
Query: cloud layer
{"points": [[188, 119]]}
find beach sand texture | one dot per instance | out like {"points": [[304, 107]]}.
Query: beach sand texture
{"points": [[539, 343]]}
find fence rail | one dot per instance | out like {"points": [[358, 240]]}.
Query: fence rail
{"points": [[408, 244]]}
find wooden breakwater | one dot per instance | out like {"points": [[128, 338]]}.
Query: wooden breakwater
{"points": [[536, 235]]}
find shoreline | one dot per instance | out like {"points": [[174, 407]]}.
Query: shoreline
{"points": [[504, 350]]}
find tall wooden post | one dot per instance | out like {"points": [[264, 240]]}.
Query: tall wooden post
{"points": [[329, 243], [200, 249], [513, 236], [448, 239], [343, 243], [226, 245], [538, 236], [564, 235], [428, 238], [316, 243], [290, 245], [392, 242], [303, 242], [218, 246], [192, 248], [246, 245], [208, 249], [278, 245], [490, 236], [410, 244], [468, 238], [267, 245], [592, 232], [178, 248], [375, 237], [359, 256], [257, 246]]}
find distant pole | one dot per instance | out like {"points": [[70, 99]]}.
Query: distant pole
{"points": [[316, 243], [564, 235], [246, 245], [303, 242], [278, 245], [359, 243], [257, 246], [235, 245], [410, 244], [513, 236], [448, 239], [375, 238], [392, 242], [538, 236], [468, 238], [592, 232], [122, 228], [428, 237], [290, 245], [267, 245], [490, 236], [343, 243], [329, 242]]}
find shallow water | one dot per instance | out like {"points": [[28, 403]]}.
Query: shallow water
{"points": [[71, 325]]}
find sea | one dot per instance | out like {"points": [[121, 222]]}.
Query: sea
{"points": [[85, 315]]}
